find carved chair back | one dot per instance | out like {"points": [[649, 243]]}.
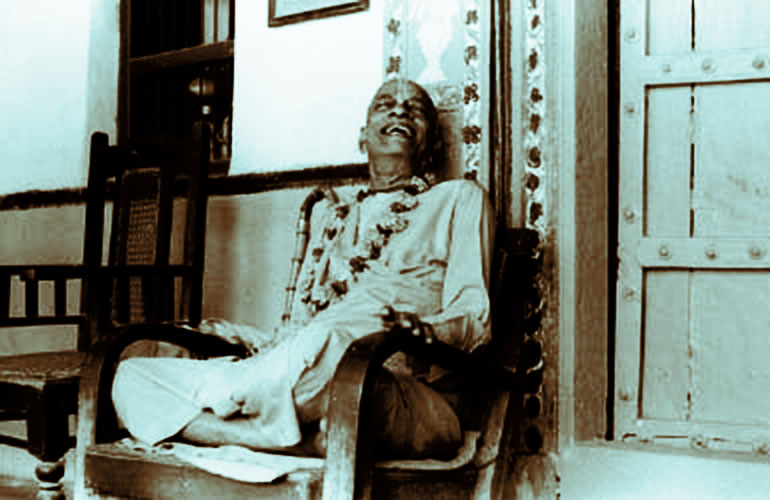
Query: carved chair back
{"points": [[155, 261]]}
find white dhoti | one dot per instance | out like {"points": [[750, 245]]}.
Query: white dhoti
{"points": [[155, 398]]}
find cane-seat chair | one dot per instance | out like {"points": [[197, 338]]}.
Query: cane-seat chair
{"points": [[145, 189], [490, 376]]}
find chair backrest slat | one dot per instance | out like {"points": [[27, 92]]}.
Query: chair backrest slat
{"points": [[139, 240], [91, 298], [517, 267], [95, 199], [195, 235], [60, 297], [5, 295], [31, 294]]}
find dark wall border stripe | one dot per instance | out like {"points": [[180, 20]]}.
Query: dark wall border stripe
{"points": [[37, 198], [218, 186], [257, 183]]}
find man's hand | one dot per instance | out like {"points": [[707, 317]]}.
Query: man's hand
{"points": [[233, 333], [407, 321]]}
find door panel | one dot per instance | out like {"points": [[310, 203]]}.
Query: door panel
{"points": [[693, 303], [666, 374], [731, 194], [669, 26], [731, 347], [667, 182], [737, 24]]}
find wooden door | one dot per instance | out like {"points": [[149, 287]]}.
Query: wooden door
{"points": [[693, 300]]}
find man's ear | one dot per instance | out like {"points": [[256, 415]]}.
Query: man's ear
{"points": [[362, 140]]}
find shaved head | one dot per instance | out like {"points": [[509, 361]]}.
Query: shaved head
{"points": [[402, 122]]}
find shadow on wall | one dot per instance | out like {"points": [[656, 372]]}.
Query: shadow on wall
{"points": [[249, 246]]}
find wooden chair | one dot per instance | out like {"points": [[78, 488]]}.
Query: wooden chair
{"points": [[141, 187], [349, 471]]}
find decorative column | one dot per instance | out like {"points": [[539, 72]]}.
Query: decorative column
{"points": [[535, 164], [439, 44]]}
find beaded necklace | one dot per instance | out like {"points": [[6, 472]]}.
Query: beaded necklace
{"points": [[320, 288]]}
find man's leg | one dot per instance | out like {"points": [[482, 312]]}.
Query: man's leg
{"points": [[209, 429], [411, 420]]}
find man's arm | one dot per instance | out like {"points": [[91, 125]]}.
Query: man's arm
{"points": [[464, 317]]}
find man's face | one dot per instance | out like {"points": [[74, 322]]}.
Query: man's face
{"points": [[398, 121]]}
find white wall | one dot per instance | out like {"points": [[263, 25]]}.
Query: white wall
{"points": [[301, 90], [59, 64]]}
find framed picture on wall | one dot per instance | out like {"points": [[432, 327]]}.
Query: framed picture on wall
{"points": [[283, 12]]}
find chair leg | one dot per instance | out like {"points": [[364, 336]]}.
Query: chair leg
{"points": [[49, 475], [48, 438]]}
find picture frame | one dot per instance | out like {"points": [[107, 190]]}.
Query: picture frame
{"points": [[282, 12]]}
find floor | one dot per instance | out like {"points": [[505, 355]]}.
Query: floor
{"points": [[596, 471], [620, 472], [17, 478], [12, 489]]}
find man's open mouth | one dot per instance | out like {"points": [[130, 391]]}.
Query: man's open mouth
{"points": [[398, 130]]}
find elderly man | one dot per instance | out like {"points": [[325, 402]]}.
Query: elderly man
{"points": [[402, 252]]}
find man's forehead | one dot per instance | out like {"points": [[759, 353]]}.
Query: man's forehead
{"points": [[406, 88]]}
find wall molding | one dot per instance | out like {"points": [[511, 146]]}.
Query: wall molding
{"points": [[42, 198], [243, 184]]}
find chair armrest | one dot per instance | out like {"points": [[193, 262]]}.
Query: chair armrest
{"points": [[176, 333], [348, 465], [99, 423], [479, 364]]}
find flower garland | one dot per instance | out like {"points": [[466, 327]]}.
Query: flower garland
{"points": [[327, 282]]}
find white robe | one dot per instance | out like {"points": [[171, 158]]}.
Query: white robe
{"points": [[437, 267]]}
